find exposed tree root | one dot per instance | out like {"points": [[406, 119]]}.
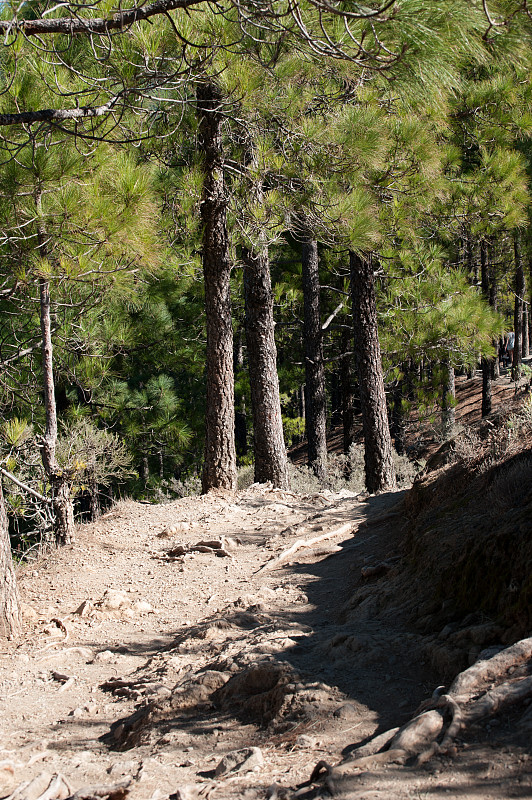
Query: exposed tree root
{"points": [[55, 787], [435, 729], [488, 670], [305, 543]]}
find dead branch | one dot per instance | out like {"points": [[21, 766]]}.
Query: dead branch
{"points": [[305, 543], [44, 787], [25, 488], [112, 791]]}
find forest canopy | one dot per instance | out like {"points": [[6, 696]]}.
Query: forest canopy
{"points": [[229, 226]]}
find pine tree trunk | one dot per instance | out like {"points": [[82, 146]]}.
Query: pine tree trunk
{"points": [[219, 467], [268, 438], [380, 471], [144, 471], [63, 514], [315, 394], [301, 401], [10, 624], [61, 499], [348, 395], [398, 415], [487, 369], [525, 352], [518, 308], [448, 413], [241, 429]]}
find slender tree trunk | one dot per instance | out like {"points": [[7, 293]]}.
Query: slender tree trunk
{"points": [[241, 429], [268, 438], [61, 499], [448, 413], [301, 402], [315, 395], [472, 265], [10, 624], [348, 394], [398, 414], [380, 471], [219, 467], [518, 308], [487, 370], [525, 352], [144, 470]]}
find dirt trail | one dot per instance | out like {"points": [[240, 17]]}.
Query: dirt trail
{"points": [[264, 654]]}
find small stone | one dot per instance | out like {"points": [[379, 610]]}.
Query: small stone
{"points": [[124, 768], [305, 741], [249, 758], [104, 656], [113, 600], [28, 613], [143, 607], [346, 711], [185, 792], [85, 609], [76, 713]]}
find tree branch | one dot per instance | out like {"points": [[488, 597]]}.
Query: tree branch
{"points": [[331, 317], [73, 25], [58, 115], [24, 487]]}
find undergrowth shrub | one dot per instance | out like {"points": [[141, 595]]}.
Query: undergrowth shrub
{"points": [[188, 487], [348, 472]]}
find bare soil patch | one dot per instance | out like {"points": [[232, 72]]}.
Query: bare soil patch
{"points": [[151, 659]]}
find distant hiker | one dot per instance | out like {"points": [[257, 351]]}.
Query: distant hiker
{"points": [[502, 351], [510, 346]]}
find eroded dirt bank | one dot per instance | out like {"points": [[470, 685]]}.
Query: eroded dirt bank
{"points": [[171, 636]]}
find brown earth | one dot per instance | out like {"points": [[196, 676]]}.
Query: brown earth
{"points": [[149, 654]]}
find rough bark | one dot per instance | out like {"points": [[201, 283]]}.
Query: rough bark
{"points": [[525, 348], [63, 512], [518, 308], [487, 370], [144, 471], [315, 395], [10, 624], [61, 500], [398, 415], [268, 438], [241, 428], [219, 468], [348, 394], [495, 367], [448, 414], [380, 471]]}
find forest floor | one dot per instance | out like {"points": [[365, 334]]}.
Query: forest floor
{"points": [[131, 635]]}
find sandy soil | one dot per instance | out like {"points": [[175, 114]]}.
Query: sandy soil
{"points": [[132, 618]]}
